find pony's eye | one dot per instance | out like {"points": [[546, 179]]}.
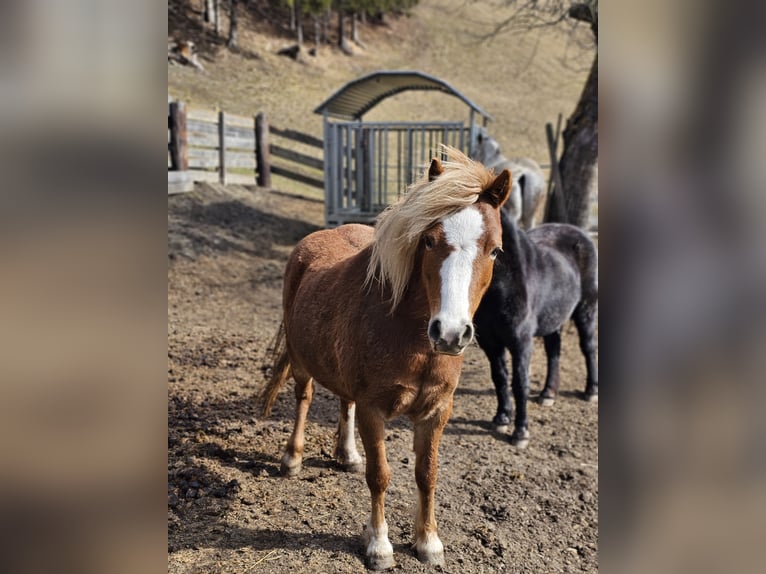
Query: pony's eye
{"points": [[428, 242], [494, 252]]}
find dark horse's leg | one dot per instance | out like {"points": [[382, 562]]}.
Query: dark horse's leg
{"points": [[499, 368], [379, 552], [552, 352], [521, 351], [293, 457], [585, 321]]}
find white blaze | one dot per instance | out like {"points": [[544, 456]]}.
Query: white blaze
{"points": [[462, 231]]}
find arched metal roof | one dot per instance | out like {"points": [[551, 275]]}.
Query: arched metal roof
{"points": [[359, 96]]}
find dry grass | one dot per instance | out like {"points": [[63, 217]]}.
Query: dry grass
{"points": [[523, 80]]}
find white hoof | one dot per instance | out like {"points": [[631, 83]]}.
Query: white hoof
{"points": [[547, 401], [520, 440], [290, 466], [502, 429], [379, 552], [431, 550], [592, 398]]}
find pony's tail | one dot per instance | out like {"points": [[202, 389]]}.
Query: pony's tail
{"points": [[280, 371]]}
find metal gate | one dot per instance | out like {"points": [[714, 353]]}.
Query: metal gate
{"points": [[368, 165]]}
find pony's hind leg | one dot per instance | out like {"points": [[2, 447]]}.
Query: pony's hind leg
{"points": [[293, 457], [552, 353], [378, 549], [585, 321], [345, 445], [427, 436]]}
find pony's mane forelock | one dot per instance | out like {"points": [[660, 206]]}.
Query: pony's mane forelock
{"points": [[424, 203]]}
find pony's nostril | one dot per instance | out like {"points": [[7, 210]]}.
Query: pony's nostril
{"points": [[435, 330], [467, 335]]}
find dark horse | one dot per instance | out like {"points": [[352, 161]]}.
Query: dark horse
{"points": [[541, 279]]}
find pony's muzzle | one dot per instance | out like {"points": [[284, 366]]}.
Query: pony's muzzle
{"points": [[450, 341]]}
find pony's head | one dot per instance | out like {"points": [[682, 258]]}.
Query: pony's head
{"points": [[450, 223]]}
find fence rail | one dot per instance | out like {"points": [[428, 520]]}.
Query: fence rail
{"points": [[218, 146]]}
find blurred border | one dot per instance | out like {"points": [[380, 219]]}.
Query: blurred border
{"points": [[683, 106], [83, 289]]}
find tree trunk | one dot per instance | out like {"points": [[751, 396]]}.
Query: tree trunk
{"points": [[355, 28], [209, 11], [316, 31], [578, 160], [233, 25], [299, 21], [217, 16], [292, 15], [342, 43], [326, 26]]}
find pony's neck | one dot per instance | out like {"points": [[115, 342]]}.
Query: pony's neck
{"points": [[517, 250]]}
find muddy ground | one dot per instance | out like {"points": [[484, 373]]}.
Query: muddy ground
{"points": [[498, 509]]}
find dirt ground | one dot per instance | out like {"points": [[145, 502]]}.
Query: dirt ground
{"points": [[498, 509]]}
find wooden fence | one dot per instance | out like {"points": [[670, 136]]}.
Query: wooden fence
{"points": [[217, 146]]}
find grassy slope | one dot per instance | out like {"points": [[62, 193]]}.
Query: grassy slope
{"points": [[523, 80]]}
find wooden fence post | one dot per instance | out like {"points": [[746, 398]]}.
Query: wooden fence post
{"points": [[554, 211], [179, 148], [262, 156], [222, 146]]}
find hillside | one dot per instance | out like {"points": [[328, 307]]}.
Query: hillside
{"points": [[523, 80]]}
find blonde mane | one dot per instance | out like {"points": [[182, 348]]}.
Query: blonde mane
{"points": [[424, 203]]}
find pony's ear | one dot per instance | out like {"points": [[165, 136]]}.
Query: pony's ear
{"points": [[435, 170], [499, 190]]}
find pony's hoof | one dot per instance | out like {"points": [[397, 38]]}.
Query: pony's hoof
{"points": [[353, 467], [290, 467], [547, 401], [431, 550], [434, 559], [380, 562], [520, 438], [500, 423], [591, 398]]}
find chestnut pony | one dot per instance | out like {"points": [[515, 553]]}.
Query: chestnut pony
{"points": [[381, 318]]}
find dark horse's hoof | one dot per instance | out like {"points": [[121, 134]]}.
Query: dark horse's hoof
{"points": [[520, 438], [591, 398], [501, 422], [547, 400]]}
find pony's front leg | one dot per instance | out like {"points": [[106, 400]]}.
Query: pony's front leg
{"points": [[521, 353], [379, 552], [427, 436], [345, 445]]}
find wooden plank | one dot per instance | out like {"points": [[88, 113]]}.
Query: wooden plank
{"points": [[202, 127], [213, 177], [233, 142], [297, 136], [299, 177], [262, 148], [240, 159], [212, 141], [297, 157], [205, 158], [213, 128], [197, 139], [179, 182]]}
